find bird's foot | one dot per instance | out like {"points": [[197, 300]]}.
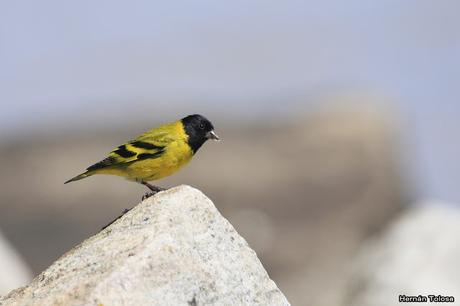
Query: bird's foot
{"points": [[148, 195], [154, 189]]}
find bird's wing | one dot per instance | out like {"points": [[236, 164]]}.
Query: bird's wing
{"points": [[149, 145]]}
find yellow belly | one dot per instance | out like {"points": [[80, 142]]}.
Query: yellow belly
{"points": [[176, 155]]}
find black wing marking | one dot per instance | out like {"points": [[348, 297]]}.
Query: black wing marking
{"points": [[146, 145], [103, 163], [124, 152], [149, 155]]}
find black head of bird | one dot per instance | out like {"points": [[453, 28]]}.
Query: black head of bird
{"points": [[199, 130]]}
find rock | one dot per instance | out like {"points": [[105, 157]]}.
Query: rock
{"points": [[314, 188], [418, 254], [14, 272], [172, 249]]}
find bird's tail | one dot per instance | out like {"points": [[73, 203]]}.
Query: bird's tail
{"points": [[80, 176]]}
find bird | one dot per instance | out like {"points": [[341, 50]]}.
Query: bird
{"points": [[156, 154]]}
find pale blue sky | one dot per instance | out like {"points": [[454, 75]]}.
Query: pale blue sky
{"points": [[67, 62]]}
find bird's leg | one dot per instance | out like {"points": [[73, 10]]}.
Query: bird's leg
{"points": [[153, 188], [147, 195]]}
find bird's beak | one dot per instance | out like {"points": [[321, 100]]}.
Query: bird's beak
{"points": [[212, 135]]}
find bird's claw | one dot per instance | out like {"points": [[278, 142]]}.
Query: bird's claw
{"points": [[148, 195]]}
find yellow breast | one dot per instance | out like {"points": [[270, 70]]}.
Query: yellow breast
{"points": [[176, 155], [159, 153]]}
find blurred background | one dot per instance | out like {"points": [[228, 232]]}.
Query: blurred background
{"points": [[338, 122]]}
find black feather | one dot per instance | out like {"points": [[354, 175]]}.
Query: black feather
{"points": [[196, 127], [103, 163], [149, 155], [124, 152], [146, 145]]}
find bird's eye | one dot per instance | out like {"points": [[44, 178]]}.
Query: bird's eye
{"points": [[202, 126]]}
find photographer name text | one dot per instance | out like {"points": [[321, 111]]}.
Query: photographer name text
{"points": [[426, 298]]}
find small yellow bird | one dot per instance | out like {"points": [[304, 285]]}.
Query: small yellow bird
{"points": [[157, 153]]}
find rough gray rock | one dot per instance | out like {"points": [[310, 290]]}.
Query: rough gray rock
{"points": [[319, 186], [172, 249], [419, 254], [13, 271]]}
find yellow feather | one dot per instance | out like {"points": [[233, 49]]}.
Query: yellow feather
{"points": [[165, 149], [157, 153]]}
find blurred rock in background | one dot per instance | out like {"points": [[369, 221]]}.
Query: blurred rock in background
{"points": [[14, 271], [416, 255], [304, 192]]}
